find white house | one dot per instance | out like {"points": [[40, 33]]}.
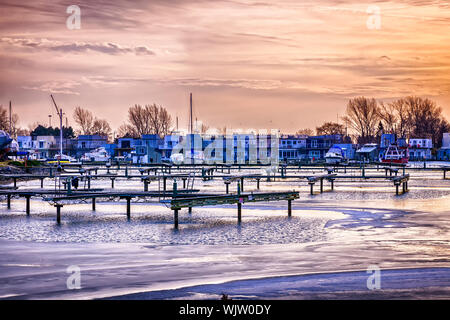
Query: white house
{"points": [[420, 149], [25, 143]]}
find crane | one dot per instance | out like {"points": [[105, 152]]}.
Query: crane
{"points": [[60, 114]]}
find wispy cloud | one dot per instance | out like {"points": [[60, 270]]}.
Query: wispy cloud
{"points": [[76, 47]]}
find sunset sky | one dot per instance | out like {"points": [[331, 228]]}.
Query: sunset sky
{"points": [[249, 64]]}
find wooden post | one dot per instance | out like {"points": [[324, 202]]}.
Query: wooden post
{"points": [[332, 184], [128, 208], [8, 201], [190, 210], [242, 184], [396, 189], [145, 185], [184, 183], [112, 183], [289, 208], [93, 204], [257, 183], [89, 182], [164, 183], [15, 182], [175, 218], [27, 205], [42, 183], [227, 184], [404, 187], [312, 186], [321, 185], [239, 212], [58, 213]]}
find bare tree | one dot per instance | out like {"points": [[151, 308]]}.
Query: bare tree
{"points": [[388, 117], [4, 119], [90, 124], [150, 119], [330, 128], [101, 127], [83, 118], [363, 117], [425, 118], [305, 132]]}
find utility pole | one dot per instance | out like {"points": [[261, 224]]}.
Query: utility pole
{"points": [[60, 114], [10, 118]]}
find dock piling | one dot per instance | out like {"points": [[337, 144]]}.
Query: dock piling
{"points": [[289, 208], [93, 204], [175, 218], [239, 205], [128, 208], [28, 205]]}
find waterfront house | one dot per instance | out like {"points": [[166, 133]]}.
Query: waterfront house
{"points": [[318, 146], [86, 143], [420, 149], [444, 152], [167, 144], [290, 147], [368, 152]]}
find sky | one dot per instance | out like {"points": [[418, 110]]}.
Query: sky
{"points": [[256, 64]]}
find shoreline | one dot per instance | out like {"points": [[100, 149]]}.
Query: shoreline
{"points": [[329, 285]]}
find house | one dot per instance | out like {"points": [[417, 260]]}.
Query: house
{"points": [[167, 144], [420, 149], [444, 152], [290, 147], [44, 146], [368, 152], [86, 143], [146, 149], [318, 146], [25, 143]]}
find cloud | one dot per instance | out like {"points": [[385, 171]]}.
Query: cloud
{"points": [[65, 87], [76, 47]]}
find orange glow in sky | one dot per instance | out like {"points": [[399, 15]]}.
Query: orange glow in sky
{"points": [[258, 64]]}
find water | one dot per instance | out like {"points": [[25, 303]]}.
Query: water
{"points": [[263, 223]]}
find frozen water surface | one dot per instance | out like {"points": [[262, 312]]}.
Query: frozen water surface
{"points": [[359, 224]]}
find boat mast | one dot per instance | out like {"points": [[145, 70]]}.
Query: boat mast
{"points": [[190, 119]]}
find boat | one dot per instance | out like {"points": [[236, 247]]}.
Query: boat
{"points": [[195, 157], [99, 154], [334, 155], [395, 154], [65, 159]]}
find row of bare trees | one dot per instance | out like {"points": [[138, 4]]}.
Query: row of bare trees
{"points": [[411, 116], [148, 119]]}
